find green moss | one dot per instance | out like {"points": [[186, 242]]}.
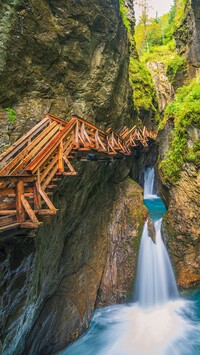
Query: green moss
{"points": [[176, 64], [126, 21], [185, 111], [180, 8], [11, 114], [144, 92]]}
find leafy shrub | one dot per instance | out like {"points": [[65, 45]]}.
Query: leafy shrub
{"points": [[144, 93], [11, 114], [185, 111]]}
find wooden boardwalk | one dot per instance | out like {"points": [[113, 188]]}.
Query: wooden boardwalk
{"points": [[31, 167]]}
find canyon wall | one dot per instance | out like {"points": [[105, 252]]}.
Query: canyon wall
{"points": [[63, 57], [181, 224]]}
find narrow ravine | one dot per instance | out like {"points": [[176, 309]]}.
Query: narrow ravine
{"points": [[159, 321]]}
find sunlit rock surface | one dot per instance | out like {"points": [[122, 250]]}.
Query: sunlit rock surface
{"points": [[182, 226]]}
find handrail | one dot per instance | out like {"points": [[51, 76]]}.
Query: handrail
{"points": [[48, 149], [23, 140], [32, 165]]}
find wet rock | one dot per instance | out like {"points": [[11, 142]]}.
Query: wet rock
{"points": [[151, 230]]}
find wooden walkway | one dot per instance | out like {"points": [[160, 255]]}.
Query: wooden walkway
{"points": [[31, 167]]}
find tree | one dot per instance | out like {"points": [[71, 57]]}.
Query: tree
{"points": [[144, 18]]}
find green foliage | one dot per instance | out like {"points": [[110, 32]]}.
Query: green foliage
{"points": [[175, 64], [179, 16], [11, 114], [185, 111], [144, 93], [126, 21], [159, 32], [159, 53]]}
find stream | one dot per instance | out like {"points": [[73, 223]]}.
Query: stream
{"points": [[159, 321]]}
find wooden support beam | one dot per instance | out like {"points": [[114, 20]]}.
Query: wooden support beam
{"points": [[36, 197], [19, 204], [60, 158], [9, 226], [7, 212], [46, 199], [29, 210], [69, 165], [30, 225], [46, 212]]}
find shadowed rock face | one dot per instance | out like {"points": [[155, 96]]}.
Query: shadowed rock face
{"points": [[50, 283], [63, 56]]}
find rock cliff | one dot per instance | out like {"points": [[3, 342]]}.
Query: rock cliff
{"points": [[179, 150], [187, 33], [59, 57]]}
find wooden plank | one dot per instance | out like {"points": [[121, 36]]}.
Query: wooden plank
{"points": [[76, 138], [49, 148], [6, 220], [7, 191], [7, 212], [19, 205], [46, 212], [36, 198], [41, 138], [15, 178], [29, 210], [69, 173], [30, 225], [58, 120], [9, 226], [7, 206], [50, 176], [88, 124], [48, 168], [60, 158], [23, 140], [46, 198], [31, 153]]}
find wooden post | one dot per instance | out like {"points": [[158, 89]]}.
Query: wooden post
{"points": [[36, 197], [19, 205], [36, 187], [60, 158]]}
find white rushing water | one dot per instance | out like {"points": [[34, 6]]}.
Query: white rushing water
{"points": [[159, 322], [149, 178], [155, 283]]}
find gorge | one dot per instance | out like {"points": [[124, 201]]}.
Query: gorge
{"points": [[77, 270]]}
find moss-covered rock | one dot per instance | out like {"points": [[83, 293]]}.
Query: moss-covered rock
{"points": [[144, 93]]}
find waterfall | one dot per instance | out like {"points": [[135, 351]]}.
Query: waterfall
{"points": [[149, 177], [158, 323], [155, 282]]}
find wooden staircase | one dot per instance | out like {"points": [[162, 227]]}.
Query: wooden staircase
{"points": [[33, 166]]}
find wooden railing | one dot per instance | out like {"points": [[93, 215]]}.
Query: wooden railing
{"points": [[31, 167]]}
